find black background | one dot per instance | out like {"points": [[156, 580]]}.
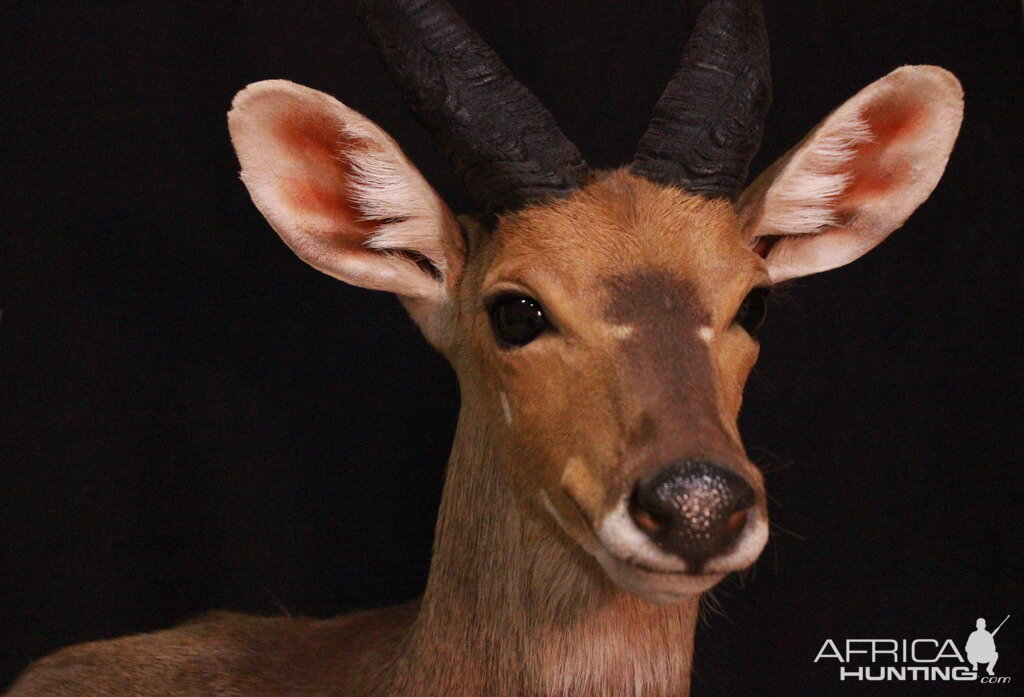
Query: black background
{"points": [[192, 419]]}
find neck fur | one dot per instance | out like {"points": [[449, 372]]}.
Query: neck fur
{"points": [[513, 607]]}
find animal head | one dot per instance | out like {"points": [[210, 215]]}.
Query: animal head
{"points": [[602, 323]]}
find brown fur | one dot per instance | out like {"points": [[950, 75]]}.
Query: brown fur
{"points": [[644, 366], [513, 605], [567, 255]]}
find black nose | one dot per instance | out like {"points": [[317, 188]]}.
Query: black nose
{"points": [[693, 509]]}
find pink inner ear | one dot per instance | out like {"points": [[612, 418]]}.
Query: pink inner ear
{"points": [[314, 143], [877, 167]]}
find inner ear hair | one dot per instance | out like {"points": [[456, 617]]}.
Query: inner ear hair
{"points": [[805, 201], [857, 176], [402, 210], [341, 192]]}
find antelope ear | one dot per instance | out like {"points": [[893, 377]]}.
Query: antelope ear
{"points": [[343, 196], [857, 176]]}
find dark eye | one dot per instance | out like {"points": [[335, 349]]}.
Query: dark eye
{"points": [[517, 320], [753, 309]]}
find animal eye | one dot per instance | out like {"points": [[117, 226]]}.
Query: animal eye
{"points": [[516, 320], [753, 309]]}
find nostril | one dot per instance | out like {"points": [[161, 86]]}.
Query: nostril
{"points": [[737, 521], [693, 508], [643, 517]]}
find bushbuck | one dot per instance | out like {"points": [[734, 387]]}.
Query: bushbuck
{"points": [[602, 326]]}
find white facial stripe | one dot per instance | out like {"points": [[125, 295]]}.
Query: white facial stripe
{"points": [[706, 334], [621, 331], [550, 508], [505, 410], [589, 546]]}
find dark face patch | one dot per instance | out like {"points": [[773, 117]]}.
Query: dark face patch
{"points": [[666, 366]]}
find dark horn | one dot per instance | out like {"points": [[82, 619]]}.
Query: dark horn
{"points": [[707, 125], [501, 141]]}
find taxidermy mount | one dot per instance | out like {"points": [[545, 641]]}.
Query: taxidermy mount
{"points": [[602, 325]]}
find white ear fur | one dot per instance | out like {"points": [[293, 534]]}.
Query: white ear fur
{"points": [[341, 193], [857, 176]]}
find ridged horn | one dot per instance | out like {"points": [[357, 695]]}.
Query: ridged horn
{"points": [[708, 123], [501, 141]]}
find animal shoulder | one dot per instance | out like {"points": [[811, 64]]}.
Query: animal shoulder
{"points": [[224, 654]]}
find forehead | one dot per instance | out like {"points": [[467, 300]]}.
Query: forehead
{"points": [[621, 225]]}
